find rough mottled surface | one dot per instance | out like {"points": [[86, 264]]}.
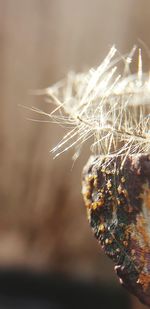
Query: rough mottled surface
{"points": [[117, 198]]}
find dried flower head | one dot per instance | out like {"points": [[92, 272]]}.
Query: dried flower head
{"points": [[108, 105]]}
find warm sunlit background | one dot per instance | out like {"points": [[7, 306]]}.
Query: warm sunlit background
{"points": [[43, 222]]}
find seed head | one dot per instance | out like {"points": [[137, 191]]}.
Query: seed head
{"points": [[108, 105]]}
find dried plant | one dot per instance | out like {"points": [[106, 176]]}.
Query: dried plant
{"points": [[113, 110]]}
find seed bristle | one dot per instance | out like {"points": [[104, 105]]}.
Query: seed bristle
{"points": [[108, 105]]}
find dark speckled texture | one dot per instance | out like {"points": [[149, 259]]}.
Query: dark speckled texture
{"points": [[117, 197]]}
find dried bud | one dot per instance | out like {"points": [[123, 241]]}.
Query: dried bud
{"points": [[109, 106]]}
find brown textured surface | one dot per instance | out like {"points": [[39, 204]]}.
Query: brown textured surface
{"points": [[117, 199]]}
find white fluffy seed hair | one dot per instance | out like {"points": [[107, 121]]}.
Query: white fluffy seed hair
{"points": [[108, 105]]}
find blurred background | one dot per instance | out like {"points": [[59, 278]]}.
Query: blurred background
{"points": [[43, 226]]}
